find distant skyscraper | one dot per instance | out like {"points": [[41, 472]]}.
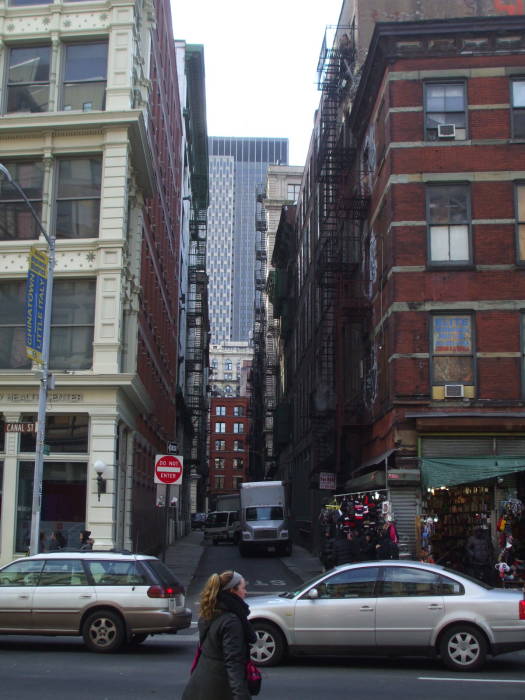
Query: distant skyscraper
{"points": [[237, 166]]}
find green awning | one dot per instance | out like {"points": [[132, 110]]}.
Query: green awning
{"points": [[436, 472]]}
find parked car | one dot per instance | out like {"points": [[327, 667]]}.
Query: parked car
{"points": [[197, 521], [107, 598], [390, 607], [223, 526]]}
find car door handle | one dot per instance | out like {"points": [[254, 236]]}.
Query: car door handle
{"points": [[86, 595], [23, 596], [366, 608], [435, 606]]}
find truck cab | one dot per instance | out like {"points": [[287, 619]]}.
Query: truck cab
{"points": [[222, 526]]}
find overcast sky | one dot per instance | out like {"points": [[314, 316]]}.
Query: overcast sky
{"points": [[261, 60]]}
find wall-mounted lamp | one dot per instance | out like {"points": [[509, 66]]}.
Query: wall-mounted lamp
{"points": [[100, 468]]}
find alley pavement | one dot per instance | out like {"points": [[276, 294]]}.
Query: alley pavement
{"points": [[183, 558]]}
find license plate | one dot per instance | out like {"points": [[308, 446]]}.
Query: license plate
{"points": [[271, 548], [172, 604]]}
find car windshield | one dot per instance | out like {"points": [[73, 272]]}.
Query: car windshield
{"points": [[217, 519], [264, 513]]}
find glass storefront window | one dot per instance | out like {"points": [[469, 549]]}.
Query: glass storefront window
{"points": [[65, 433], [63, 502]]}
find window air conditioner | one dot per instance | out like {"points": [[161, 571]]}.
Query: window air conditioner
{"points": [[454, 391], [446, 131]]}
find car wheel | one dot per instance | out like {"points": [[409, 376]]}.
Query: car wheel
{"points": [[463, 648], [270, 645], [137, 639], [103, 631]]}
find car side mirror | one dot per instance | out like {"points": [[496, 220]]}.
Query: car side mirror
{"points": [[313, 594]]}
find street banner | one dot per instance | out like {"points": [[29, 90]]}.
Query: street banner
{"points": [[36, 303]]}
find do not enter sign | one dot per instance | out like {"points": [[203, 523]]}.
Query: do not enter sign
{"points": [[168, 469]]}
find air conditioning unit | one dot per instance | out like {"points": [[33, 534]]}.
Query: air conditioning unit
{"points": [[446, 131], [454, 391]]}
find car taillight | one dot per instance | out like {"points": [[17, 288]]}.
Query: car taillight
{"points": [[165, 591], [522, 609]]}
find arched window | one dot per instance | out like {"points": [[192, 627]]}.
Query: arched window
{"points": [[228, 365]]}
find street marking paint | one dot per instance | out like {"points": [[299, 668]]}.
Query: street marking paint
{"points": [[467, 680]]}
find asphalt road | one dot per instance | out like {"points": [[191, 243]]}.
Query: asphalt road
{"points": [[37, 668]]}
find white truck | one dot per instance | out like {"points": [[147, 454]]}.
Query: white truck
{"points": [[264, 518]]}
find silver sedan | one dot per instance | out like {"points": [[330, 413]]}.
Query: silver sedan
{"points": [[390, 607]]}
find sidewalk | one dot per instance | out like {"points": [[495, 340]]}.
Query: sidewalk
{"points": [[183, 558]]}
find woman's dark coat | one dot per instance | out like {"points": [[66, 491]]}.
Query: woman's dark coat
{"points": [[221, 670]]}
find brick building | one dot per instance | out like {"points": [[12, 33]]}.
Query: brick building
{"points": [[229, 454], [405, 360]]}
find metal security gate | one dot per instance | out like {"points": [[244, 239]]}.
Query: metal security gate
{"points": [[405, 506]]}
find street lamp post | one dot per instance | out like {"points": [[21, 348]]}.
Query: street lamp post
{"points": [[44, 379]]}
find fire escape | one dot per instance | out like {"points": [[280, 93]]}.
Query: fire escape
{"points": [[257, 437], [342, 207], [197, 339]]}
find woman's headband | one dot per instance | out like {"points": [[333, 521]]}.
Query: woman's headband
{"points": [[234, 581]]}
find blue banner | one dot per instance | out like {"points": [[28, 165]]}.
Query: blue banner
{"points": [[36, 303]]}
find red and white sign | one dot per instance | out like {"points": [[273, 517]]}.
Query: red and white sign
{"points": [[168, 469]]}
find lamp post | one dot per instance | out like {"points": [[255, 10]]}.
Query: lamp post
{"points": [[44, 378]]}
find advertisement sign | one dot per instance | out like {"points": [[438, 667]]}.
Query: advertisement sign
{"points": [[327, 481], [36, 303], [168, 469]]}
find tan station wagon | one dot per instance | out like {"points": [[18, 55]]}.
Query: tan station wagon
{"points": [[108, 598]]}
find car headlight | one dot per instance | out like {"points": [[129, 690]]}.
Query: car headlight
{"points": [[246, 535], [284, 533]]}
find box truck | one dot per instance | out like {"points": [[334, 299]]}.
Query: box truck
{"points": [[264, 518]]}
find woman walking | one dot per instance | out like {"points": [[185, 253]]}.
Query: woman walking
{"points": [[225, 636]]}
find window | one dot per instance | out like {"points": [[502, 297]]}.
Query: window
{"points": [[452, 350], [78, 198], [214, 364], [228, 390], [359, 583], [293, 192], [402, 582], [220, 427], [238, 463], [16, 221], [72, 324], [238, 410], [228, 365], [65, 432], [28, 79], [258, 513], [237, 481], [445, 103], [219, 482], [448, 216], [21, 573], [238, 445], [228, 375], [117, 573], [238, 427], [218, 462], [220, 445], [518, 108], [12, 326], [85, 73], [220, 410], [63, 572], [520, 220]]}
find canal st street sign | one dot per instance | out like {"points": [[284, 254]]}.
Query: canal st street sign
{"points": [[36, 303], [168, 469], [23, 427]]}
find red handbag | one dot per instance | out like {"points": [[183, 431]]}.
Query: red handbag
{"points": [[253, 678]]}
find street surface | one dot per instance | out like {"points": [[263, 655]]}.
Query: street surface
{"points": [[61, 668]]}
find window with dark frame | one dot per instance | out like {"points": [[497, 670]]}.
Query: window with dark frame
{"points": [[445, 105], [28, 79], [78, 197], [220, 445], [220, 427], [85, 76], [218, 462], [448, 218], [238, 427], [220, 410], [452, 349], [518, 108], [16, 220]]}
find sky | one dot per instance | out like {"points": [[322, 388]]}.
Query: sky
{"points": [[260, 62]]}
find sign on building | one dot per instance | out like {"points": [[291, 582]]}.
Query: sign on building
{"points": [[168, 469], [326, 481], [36, 303]]}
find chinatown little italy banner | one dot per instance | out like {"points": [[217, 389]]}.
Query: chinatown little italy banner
{"points": [[36, 303]]}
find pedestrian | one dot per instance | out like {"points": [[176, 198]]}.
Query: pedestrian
{"points": [[86, 543], [327, 554], [42, 541], [56, 541], [225, 635], [346, 549], [480, 555], [386, 548]]}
